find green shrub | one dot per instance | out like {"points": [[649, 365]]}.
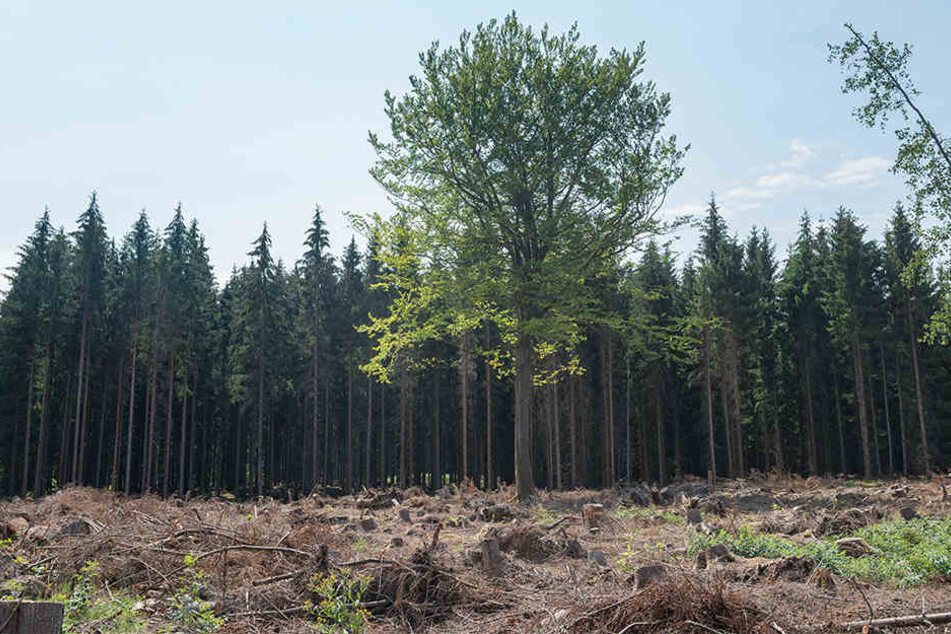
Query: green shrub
{"points": [[907, 553], [339, 606]]}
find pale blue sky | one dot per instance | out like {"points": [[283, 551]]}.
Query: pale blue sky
{"points": [[249, 111]]}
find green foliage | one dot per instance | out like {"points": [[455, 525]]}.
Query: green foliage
{"points": [[907, 552], [188, 608], [337, 606], [647, 512]]}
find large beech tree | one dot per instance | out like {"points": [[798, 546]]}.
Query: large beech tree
{"points": [[542, 156]]}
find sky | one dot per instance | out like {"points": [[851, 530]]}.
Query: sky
{"points": [[248, 112]]}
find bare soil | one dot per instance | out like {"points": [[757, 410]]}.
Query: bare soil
{"points": [[423, 556]]}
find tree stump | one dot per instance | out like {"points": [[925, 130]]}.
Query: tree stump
{"points": [[31, 617], [593, 514], [491, 557]]}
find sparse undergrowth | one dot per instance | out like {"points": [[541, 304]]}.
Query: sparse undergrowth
{"points": [[906, 553], [85, 603], [647, 512]]}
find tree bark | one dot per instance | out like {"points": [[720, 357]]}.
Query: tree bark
{"points": [[919, 399], [29, 429], [810, 422], [711, 430], [572, 423], [861, 403], [888, 420], [117, 439], [489, 458], [905, 460], [169, 424], [79, 394], [524, 478], [369, 445], [838, 418], [39, 471], [183, 438]]}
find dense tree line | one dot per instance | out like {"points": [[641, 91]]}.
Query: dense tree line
{"points": [[515, 320], [124, 365]]}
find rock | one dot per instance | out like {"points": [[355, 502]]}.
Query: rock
{"points": [[854, 547], [405, 515], [75, 528], [597, 557], [694, 517], [646, 575], [491, 557], [498, 513], [396, 542], [593, 515], [908, 512], [368, 524]]}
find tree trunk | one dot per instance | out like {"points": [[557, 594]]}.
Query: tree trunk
{"points": [[557, 439], [838, 418], [259, 442], [861, 403], [628, 469], [919, 399], [327, 444], [905, 460], [572, 423], [810, 422], [79, 394], [437, 432], [659, 429], [369, 446], [711, 431], [147, 466], [183, 439], [489, 458], [82, 434], [102, 434], [888, 420], [727, 424], [381, 459], [169, 424], [39, 471], [874, 420], [349, 481], [524, 478], [404, 426], [464, 359], [29, 429], [117, 439]]}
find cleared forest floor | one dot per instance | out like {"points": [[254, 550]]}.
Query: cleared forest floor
{"points": [[752, 556]]}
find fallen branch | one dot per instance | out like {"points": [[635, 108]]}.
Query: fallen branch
{"points": [[901, 621]]}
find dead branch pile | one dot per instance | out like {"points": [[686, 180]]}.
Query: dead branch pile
{"points": [[677, 605]]}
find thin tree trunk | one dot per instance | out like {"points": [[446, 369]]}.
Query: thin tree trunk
{"points": [[259, 442], [573, 423], [549, 422], [151, 448], [369, 446], [102, 434], [64, 444], [169, 424], [861, 402], [627, 424], [874, 420], [659, 427], [38, 472], [711, 430], [464, 355], [327, 444], [557, 438], [437, 425], [727, 424], [381, 459], [489, 458], [888, 420], [79, 394], [29, 428], [117, 439], [919, 399], [905, 460], [524, 478], [404, 426], [183, 438], [349, 486], [810, 422], [82, 434], [838, 418]]}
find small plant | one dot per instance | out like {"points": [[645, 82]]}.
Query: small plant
{"points": [[189, 609], [338, 606], [647, 512], [546, 517], [361, 544]]}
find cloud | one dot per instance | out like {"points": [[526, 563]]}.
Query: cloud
{"points": [[864, 171], [800, 154]]}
